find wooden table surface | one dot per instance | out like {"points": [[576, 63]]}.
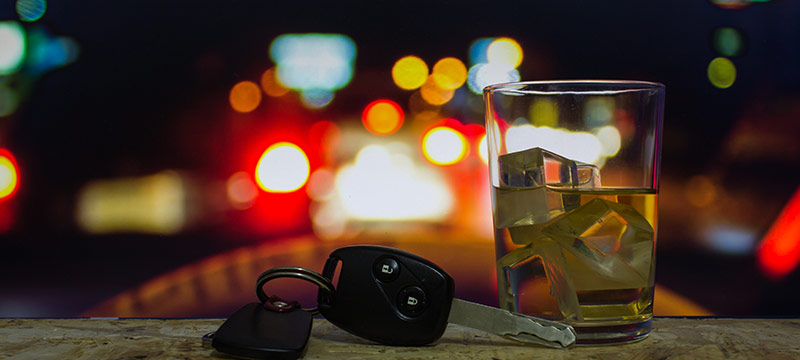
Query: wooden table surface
{"points": [[672, 338]]}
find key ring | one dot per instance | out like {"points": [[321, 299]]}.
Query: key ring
{"points": [[297, 273]]}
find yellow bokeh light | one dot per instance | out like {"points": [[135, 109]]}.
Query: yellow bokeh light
{"points": [[271, 85], [721, 72], [433, 94], [382, 117], [544, 112], [245, 96], [452, 73], [444, 146], [504, 51], [282, 168], [483, 149], [410, 72], [8, 177]]}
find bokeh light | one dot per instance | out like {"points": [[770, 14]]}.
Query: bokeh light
{"points": [[483, 75], [700, 191], [483, 149], [433, 94], [728, 41], [504, 51], [245, 96], [242, 192], [282, 168], [271, 85], [9, 100], [321, 185], [450, 73], [316, 98], [382, 117], [610, 139], [314, 61], [478, 50], [544, 112], [410, 72], [12, 46], [598, 111], [31, 10], [444, 145], [732, 4], [721, 72], [9, 178]]}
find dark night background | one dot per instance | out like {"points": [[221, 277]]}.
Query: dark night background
{"points": [[149, 88]]}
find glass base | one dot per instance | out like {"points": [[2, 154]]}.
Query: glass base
{"points": [[612, 334]]}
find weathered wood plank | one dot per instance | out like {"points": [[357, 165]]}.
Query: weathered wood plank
{"points": [[180, 339]]}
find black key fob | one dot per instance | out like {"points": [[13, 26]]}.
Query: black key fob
{"points": [[387, 295], [256, 332]]}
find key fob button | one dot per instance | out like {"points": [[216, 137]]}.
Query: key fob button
{"points": [[411, 301], [386, 269]]}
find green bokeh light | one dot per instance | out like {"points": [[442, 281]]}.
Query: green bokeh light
{"points": [[728, 41], [31, 10], [8, 100], [721, 72]]}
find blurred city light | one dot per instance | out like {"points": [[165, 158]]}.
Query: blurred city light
{"points": [[779, 252], [382, 117], [245, 96], [478, 51], [9, 100], [721, 72], [483, 75], [12, 46], [270, 84], [9, 178], [242, 192], [316, 98], [728, 41], [47, 52], [444, 145], [321, 185], [450, 73], [433, 94], [700, 191], [610, 140], [732, 4], [598, 111], [283, 167], [483, 149], [504, 51], [313, 61], [384, 185], [730, 239], [409, 73], [154, 204], [580, 146], [31, 10], [544, 112]]}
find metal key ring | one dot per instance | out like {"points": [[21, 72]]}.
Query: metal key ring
{"points": [[297, 273]]}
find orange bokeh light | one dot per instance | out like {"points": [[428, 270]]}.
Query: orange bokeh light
{"points": [[271, 85], [245, 96], [452, 73], [432, 93], [382, 117]]}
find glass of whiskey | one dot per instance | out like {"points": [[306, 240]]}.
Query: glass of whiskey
{"points": [[574, 170]]}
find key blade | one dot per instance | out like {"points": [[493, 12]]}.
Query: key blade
{"points": [[514, 326]]}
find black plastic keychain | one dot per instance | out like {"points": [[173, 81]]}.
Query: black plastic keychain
{"points": [[274, 328]]}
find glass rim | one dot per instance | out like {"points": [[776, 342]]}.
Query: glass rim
{"points": [[587, 87]]}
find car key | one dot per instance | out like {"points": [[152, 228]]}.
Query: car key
{"points": [[397, 298], [273, 330]]}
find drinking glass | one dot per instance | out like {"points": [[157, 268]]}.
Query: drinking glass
{"points": [[574, 171]]}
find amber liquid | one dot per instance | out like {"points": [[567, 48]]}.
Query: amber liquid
{"points": [[589, 265]]}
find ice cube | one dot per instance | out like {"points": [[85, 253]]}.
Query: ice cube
{"points": [[527, 181], [518, 266], [611, 239]]}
